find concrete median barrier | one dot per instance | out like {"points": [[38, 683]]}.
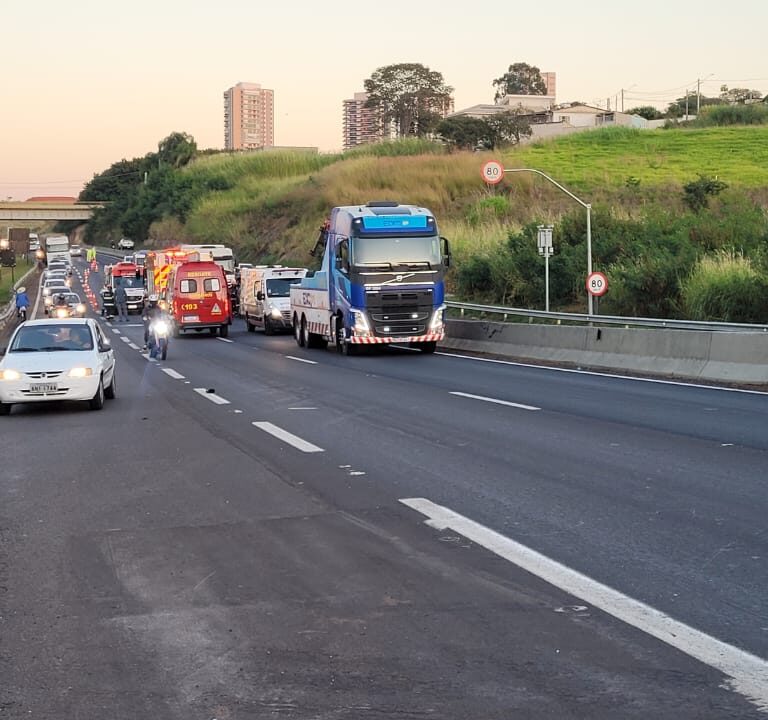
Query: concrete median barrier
{"points": [[705, 355]]}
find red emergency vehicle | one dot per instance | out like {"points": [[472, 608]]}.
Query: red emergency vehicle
{"points": [[197, 297]]}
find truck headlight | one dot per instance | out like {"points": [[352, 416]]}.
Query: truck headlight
{"points": [[437, 325], [276, 314], [360, 325]]}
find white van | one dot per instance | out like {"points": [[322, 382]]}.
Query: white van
{"points": [[265, 297]]}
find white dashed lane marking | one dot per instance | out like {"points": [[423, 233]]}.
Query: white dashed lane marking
{"points": [[497, 402], [302, 360], [213, 397], [287, 437]]}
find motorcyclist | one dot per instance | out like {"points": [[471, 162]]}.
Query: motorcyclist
{"points": [[22, 301], [152, 311], [59, 302]]}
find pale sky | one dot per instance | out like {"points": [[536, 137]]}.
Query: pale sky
{"points": [[84, 84]]}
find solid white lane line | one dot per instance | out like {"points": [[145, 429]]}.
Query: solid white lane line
{"points": [[173, 374], [604, 374], [225, 340], [497, 402], [303, 408], [213, 397], [298, 359], [748, 673], [287, 437], [133, 346]]}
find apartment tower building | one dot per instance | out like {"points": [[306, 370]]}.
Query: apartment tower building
{"points": [[249, 117], [361, 124]]}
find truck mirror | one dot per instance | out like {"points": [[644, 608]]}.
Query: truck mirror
{"points": [[259, 295], [446, 251]]}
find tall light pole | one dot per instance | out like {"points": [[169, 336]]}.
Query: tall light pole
{"points": [[698, 93], [493, 172]]}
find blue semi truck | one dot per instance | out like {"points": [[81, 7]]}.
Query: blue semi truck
{"points": [[382, 280]]}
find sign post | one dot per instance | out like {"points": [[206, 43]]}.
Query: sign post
{"points": [[544, 243], [493, 171]]}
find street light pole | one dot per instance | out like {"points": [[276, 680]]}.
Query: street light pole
{"points": [[587, 206]]}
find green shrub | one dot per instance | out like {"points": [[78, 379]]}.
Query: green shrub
{"points": [[696, 193]]}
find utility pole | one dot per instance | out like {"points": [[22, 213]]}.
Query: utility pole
{"points": [[622, 99], [686, 104], [698, 97]]}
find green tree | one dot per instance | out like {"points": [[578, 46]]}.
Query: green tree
{"points": [[739, 96], [508, 128], [646, 111], [678, 108], [410, 96], [520, 79], [177, 149], [465, 133]]}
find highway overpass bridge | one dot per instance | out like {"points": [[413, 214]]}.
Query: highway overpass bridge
{"points": [[47, 210]]}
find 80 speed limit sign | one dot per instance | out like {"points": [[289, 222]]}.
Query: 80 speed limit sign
{"points": [[492, 172], [597, 284]]}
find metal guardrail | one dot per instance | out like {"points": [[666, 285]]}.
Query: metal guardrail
{"points": [[562, 317]]}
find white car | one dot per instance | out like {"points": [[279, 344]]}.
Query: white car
{"points": [[76, 251], [125, 244], [57, 360]]}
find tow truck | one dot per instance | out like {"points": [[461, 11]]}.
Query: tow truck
{"points": [[382, 280]]}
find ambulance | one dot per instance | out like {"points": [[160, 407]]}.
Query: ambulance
{"points": [[196, 296]]}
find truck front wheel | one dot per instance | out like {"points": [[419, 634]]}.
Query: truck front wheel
{"points": [[298, 331]]}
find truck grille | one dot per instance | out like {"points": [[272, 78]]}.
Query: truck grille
{"points": [[399, 313]]}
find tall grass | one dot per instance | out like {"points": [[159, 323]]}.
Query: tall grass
{"points": [[727, 287]]}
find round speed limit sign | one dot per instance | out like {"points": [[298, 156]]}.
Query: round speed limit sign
{"points": [[492, 172], [597, 284]]}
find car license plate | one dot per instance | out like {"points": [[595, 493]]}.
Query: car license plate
{"points": [[43, 387], [190, 318]]}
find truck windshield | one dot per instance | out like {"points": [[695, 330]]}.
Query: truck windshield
{"points": [[128, 281], [281, 287], [227, 263], [397, 251]]}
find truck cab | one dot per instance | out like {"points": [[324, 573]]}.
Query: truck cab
{"points": [[130, 277]]}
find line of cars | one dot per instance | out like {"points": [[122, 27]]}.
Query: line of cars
{"points": [[65, 356], [59, 300]]}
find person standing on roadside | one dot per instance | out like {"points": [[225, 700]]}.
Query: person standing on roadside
{"points": [[121, 303]]}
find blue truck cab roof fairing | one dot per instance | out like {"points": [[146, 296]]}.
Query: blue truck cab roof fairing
{"points": [[386, 220]]}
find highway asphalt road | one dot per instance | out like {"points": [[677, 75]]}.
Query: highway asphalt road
{"points": [[241, 534]]}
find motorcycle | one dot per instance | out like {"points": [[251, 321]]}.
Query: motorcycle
{"points": [[158, 338]]}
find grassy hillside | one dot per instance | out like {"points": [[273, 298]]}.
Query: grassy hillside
{"points": [[271, 203], [607, 158]]}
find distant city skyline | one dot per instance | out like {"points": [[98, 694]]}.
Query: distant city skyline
{"points": [[104, 96]]}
